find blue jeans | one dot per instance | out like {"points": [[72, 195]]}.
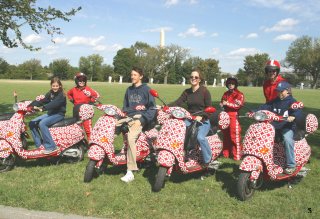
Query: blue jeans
{"points": [[288, 142], [44, 122], [203, 130]]}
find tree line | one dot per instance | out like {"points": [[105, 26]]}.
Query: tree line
{"points": [[170, 64]]}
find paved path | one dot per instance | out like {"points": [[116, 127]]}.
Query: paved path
{"points": [[22, 213]]}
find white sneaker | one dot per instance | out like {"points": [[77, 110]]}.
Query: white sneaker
{"points": [[128, 177]]}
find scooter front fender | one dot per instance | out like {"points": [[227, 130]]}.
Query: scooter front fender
{"points": [[252, 164], [96, 153], [5, 149], [165, 158]]}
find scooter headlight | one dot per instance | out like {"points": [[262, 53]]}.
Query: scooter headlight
{"points": [[110, 111], [15, 107], [178, 114], [260, 116]]}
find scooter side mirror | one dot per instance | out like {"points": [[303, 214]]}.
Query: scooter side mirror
{"points": [[210, 109], [154, 93]]}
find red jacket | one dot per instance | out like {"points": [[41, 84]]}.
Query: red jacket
{"points": [[269, 88], [83, 95], [235, 100]]}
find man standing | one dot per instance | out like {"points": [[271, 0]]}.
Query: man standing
{"points": [[272, 70], [139, 104]]}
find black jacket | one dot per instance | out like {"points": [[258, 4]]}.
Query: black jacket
{"points": [[54, 103]]}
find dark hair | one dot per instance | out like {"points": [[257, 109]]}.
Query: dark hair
{"points": [[200, 74], [56, 80], [139, 70]]}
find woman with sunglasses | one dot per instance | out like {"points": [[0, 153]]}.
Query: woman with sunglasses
{"points": [[197, 98], [82, 94], [272, 70]]}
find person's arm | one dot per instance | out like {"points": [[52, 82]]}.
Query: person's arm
{"points": [[207, 102], [150, 112], [237, 102], [94, 95], [56, 103], [70, 95]]}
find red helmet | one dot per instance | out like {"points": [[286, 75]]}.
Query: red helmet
{"points": [[272, 65], [232, 79], [80, 77]]}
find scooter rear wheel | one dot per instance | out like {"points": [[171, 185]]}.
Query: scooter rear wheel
{"points": [[90, 171], [7, 164], [159, 183], [244, 186]]}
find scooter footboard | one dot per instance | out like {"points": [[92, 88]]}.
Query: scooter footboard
{"points": [[5, 149], [96, 153], [252, 164], [165, 158]]}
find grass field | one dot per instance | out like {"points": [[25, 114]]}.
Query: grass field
{"points": [[37, 185]]}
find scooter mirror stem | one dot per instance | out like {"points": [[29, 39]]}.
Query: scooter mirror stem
{"points": [[154, 93]]}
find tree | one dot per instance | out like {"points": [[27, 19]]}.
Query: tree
{"points": [[123, 62], [17, 13], [91, 66], [254, 68], [4, 65], [31, 69], [60, 68], [303, 56]]}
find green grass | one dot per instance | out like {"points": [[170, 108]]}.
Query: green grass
{"points": [[37, 185]]}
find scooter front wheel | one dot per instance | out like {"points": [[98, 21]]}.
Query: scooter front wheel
{"points": [[159, 183], [245, 187], [90, 171], [7, 164]]}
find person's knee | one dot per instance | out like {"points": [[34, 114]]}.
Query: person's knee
{"points": [[201, 138], [32, 124]]}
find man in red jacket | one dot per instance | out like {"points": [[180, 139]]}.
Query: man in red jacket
{"points": [[82, 94], [272, 70], [232, 100]]}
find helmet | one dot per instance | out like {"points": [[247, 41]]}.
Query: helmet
{"points": [[272, 65], [80, 76], [230, 79]]}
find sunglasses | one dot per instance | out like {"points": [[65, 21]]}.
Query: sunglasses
{"points": [[81, 81], [194, 77], [271, 71]]}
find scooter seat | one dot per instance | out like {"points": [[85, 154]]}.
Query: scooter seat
{"points": [[6, 116], [65, 122]]}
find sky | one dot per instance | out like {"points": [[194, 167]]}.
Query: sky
{"points": [[225, 30]]}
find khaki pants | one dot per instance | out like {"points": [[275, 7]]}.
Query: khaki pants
{"points": [[135, 129]]}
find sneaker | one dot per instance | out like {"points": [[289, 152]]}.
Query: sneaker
{"points": [[50, 151], [289, 170], [129, 177]]}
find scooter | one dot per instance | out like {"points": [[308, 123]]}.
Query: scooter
{"points": [[169, 145], [102, 152], [264, 158], [67, 134]]}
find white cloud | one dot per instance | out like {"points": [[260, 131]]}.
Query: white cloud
{"points": [[241, 53], [285, 37], [86, 41], [169, 3], [215, 51], [113, 48], [283, 25], [192, 31], [251, 36], [32, 38], [59, 40], [50, 50], [192, 2], [166, 29], [214, 35]]}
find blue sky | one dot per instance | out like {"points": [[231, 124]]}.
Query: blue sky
{"points": [[226, 30]]}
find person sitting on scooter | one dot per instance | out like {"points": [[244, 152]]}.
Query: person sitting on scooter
{"points": [[82, 94], [281, 106], [232, 101], [55, 103], [140, 104], [197, 99]]}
